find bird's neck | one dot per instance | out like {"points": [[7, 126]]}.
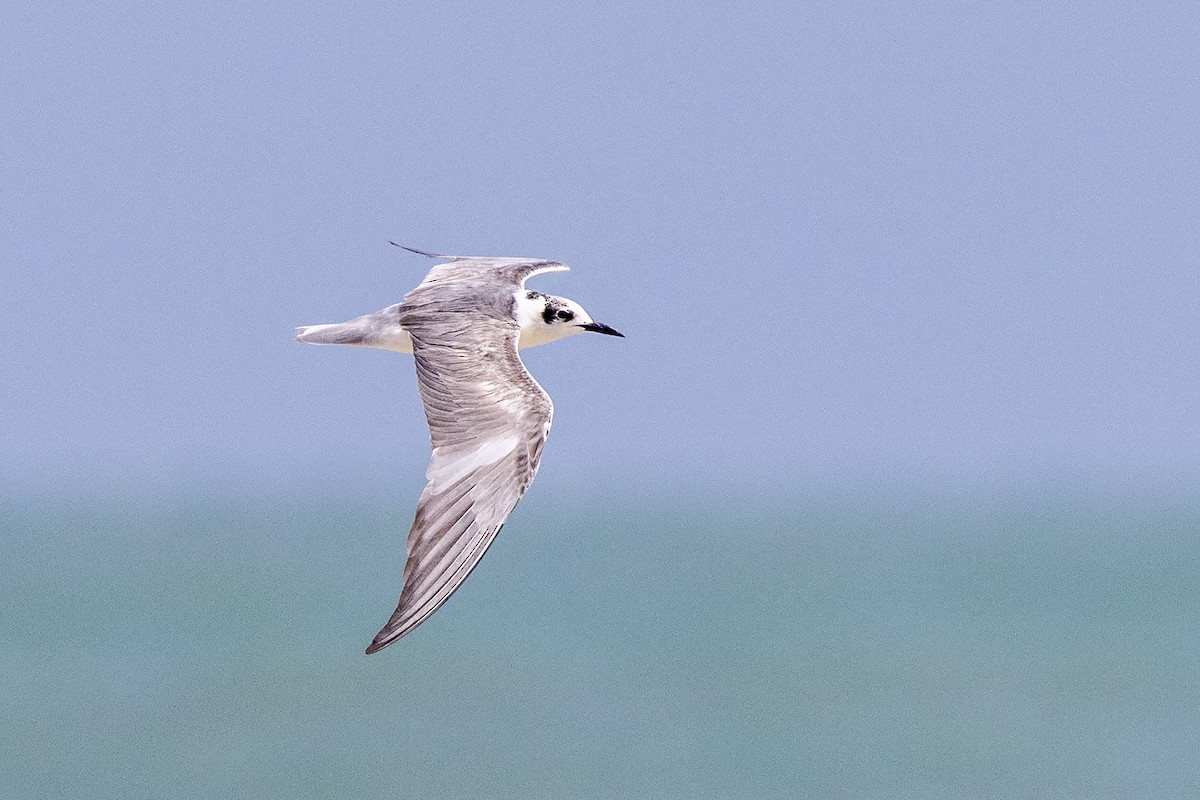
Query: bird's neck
{"points": [[534, 330]]}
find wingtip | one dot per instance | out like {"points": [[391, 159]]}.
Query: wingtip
{"points": [[388, 634], [419, 252], [381, 641]]}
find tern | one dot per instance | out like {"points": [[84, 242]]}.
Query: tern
{"points": [[488, 418]]}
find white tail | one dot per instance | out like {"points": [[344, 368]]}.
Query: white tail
{"points": [[381, 330], [336, 333]]}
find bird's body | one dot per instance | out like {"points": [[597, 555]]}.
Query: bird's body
{"points": [[488, 418]]}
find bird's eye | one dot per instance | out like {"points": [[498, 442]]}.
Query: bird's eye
{"points": [[565, 315]]}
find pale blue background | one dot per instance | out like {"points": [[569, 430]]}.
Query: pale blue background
{"points": [[889, 493], [922, 242]]}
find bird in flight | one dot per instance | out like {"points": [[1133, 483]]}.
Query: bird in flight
{"points": [[488, 418]]}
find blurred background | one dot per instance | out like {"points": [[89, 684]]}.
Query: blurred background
{"points": [[889, 492]]}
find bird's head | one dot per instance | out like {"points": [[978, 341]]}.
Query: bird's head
{"points": [[546, 318]]}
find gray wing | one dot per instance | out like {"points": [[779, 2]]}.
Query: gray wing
{"points": [[488, 420], [475, 270]]}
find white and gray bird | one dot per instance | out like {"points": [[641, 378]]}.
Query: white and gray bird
{"points": [[488, 418]]}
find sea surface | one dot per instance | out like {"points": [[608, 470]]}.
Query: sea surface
{"points": [[613, 647]]}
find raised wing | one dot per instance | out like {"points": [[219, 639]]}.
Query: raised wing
{"points": [[488, 420], [473, 269]]}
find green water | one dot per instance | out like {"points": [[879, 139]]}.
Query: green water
{"points": [[834, 648]]}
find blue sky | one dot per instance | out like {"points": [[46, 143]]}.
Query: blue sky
{"points": [[849, 243]]}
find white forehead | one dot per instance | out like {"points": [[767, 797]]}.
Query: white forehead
{"points": [[563, 302]]}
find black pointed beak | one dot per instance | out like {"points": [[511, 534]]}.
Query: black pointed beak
{"points": [[600, 327]]}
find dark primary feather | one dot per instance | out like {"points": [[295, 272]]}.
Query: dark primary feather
{"points": [[419, 252]]}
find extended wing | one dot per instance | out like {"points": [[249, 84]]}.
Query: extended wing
{"points": [[488, 420]]}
